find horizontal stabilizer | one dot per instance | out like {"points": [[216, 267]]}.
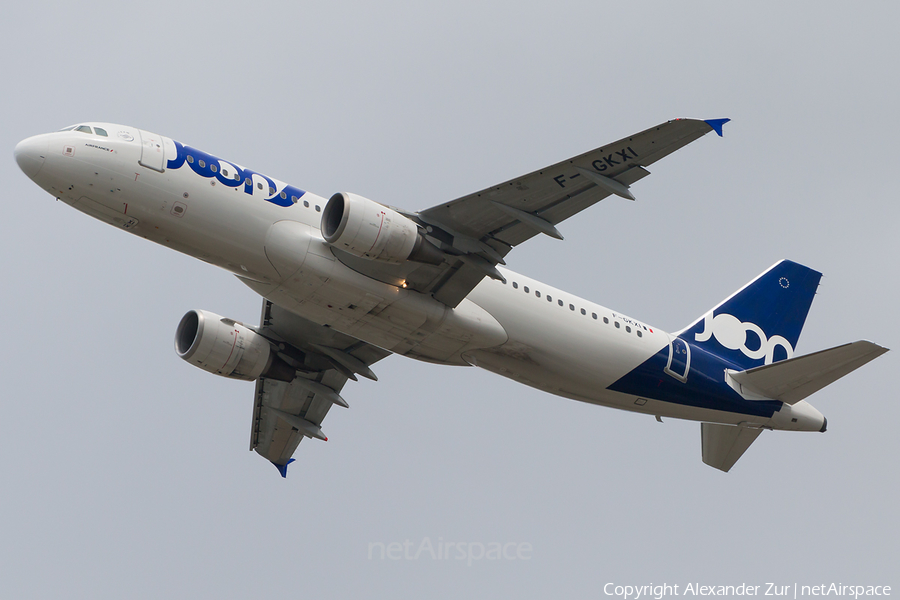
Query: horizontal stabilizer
{"points": [[794, 379], [723, 445]]}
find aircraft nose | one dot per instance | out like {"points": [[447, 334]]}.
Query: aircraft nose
{"points": [[30, 154]]}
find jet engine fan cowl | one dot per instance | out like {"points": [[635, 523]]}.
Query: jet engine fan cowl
{"points": [[225, 347], [373, 231]]}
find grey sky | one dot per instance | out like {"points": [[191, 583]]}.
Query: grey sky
{"points": [[126, 472]]}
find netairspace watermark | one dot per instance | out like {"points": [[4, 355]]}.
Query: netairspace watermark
{"points": [[795, 591], [467, 551]]}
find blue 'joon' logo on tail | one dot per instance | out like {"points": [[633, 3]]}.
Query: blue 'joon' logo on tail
{"points": [[761, 322]]}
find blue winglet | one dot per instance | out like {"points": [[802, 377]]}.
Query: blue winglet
{"points": [[716, 124], [283, 468]]}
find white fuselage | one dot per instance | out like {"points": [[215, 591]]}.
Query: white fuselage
{"points": [[522, 329]]}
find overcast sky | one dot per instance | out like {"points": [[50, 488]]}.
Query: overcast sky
{"points": [[125, 470]]}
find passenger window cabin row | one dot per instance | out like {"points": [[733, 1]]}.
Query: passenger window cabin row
{"points": [[594, 316]]}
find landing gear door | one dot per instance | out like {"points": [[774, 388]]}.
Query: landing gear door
{"points": [[679, 363], [152, 151]]}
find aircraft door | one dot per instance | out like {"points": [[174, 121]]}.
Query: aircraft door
{"points": [[152, 151], [679, 363]]}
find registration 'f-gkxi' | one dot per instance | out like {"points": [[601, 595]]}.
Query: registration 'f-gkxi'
{"points": [[347, 281]]}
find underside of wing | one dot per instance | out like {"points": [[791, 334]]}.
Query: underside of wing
{"points": [[286, 412], [477, 231], [559, 191]]}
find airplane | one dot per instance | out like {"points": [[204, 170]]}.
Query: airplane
{"points": [[347, 281]]}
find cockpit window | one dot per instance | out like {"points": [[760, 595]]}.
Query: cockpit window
{"points": [[100, 131], [83, 128]]}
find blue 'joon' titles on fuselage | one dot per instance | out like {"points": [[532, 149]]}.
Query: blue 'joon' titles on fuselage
{"points": [[208, 166]]}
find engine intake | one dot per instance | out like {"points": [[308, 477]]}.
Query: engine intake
{"points": [[371, 230], [227, 348]]}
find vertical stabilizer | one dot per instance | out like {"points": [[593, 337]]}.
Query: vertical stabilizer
{"points": [[760, 323], [723, 445]]}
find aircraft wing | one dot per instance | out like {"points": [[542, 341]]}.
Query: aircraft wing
{"points": [[284, 413], [478, 230]]}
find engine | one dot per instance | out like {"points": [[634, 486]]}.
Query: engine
{"points": [[370, 230], [227, 348]]}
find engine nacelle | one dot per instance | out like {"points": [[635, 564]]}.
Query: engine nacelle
{"points": [[370, 230], [227, 348]]}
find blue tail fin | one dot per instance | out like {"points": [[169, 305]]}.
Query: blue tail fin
{"points": [[760, 323]]}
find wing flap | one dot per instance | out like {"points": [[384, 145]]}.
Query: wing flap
{"points": [[280, 409], [794, 379], [275, 438], [458, 284], [723, 445]]}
